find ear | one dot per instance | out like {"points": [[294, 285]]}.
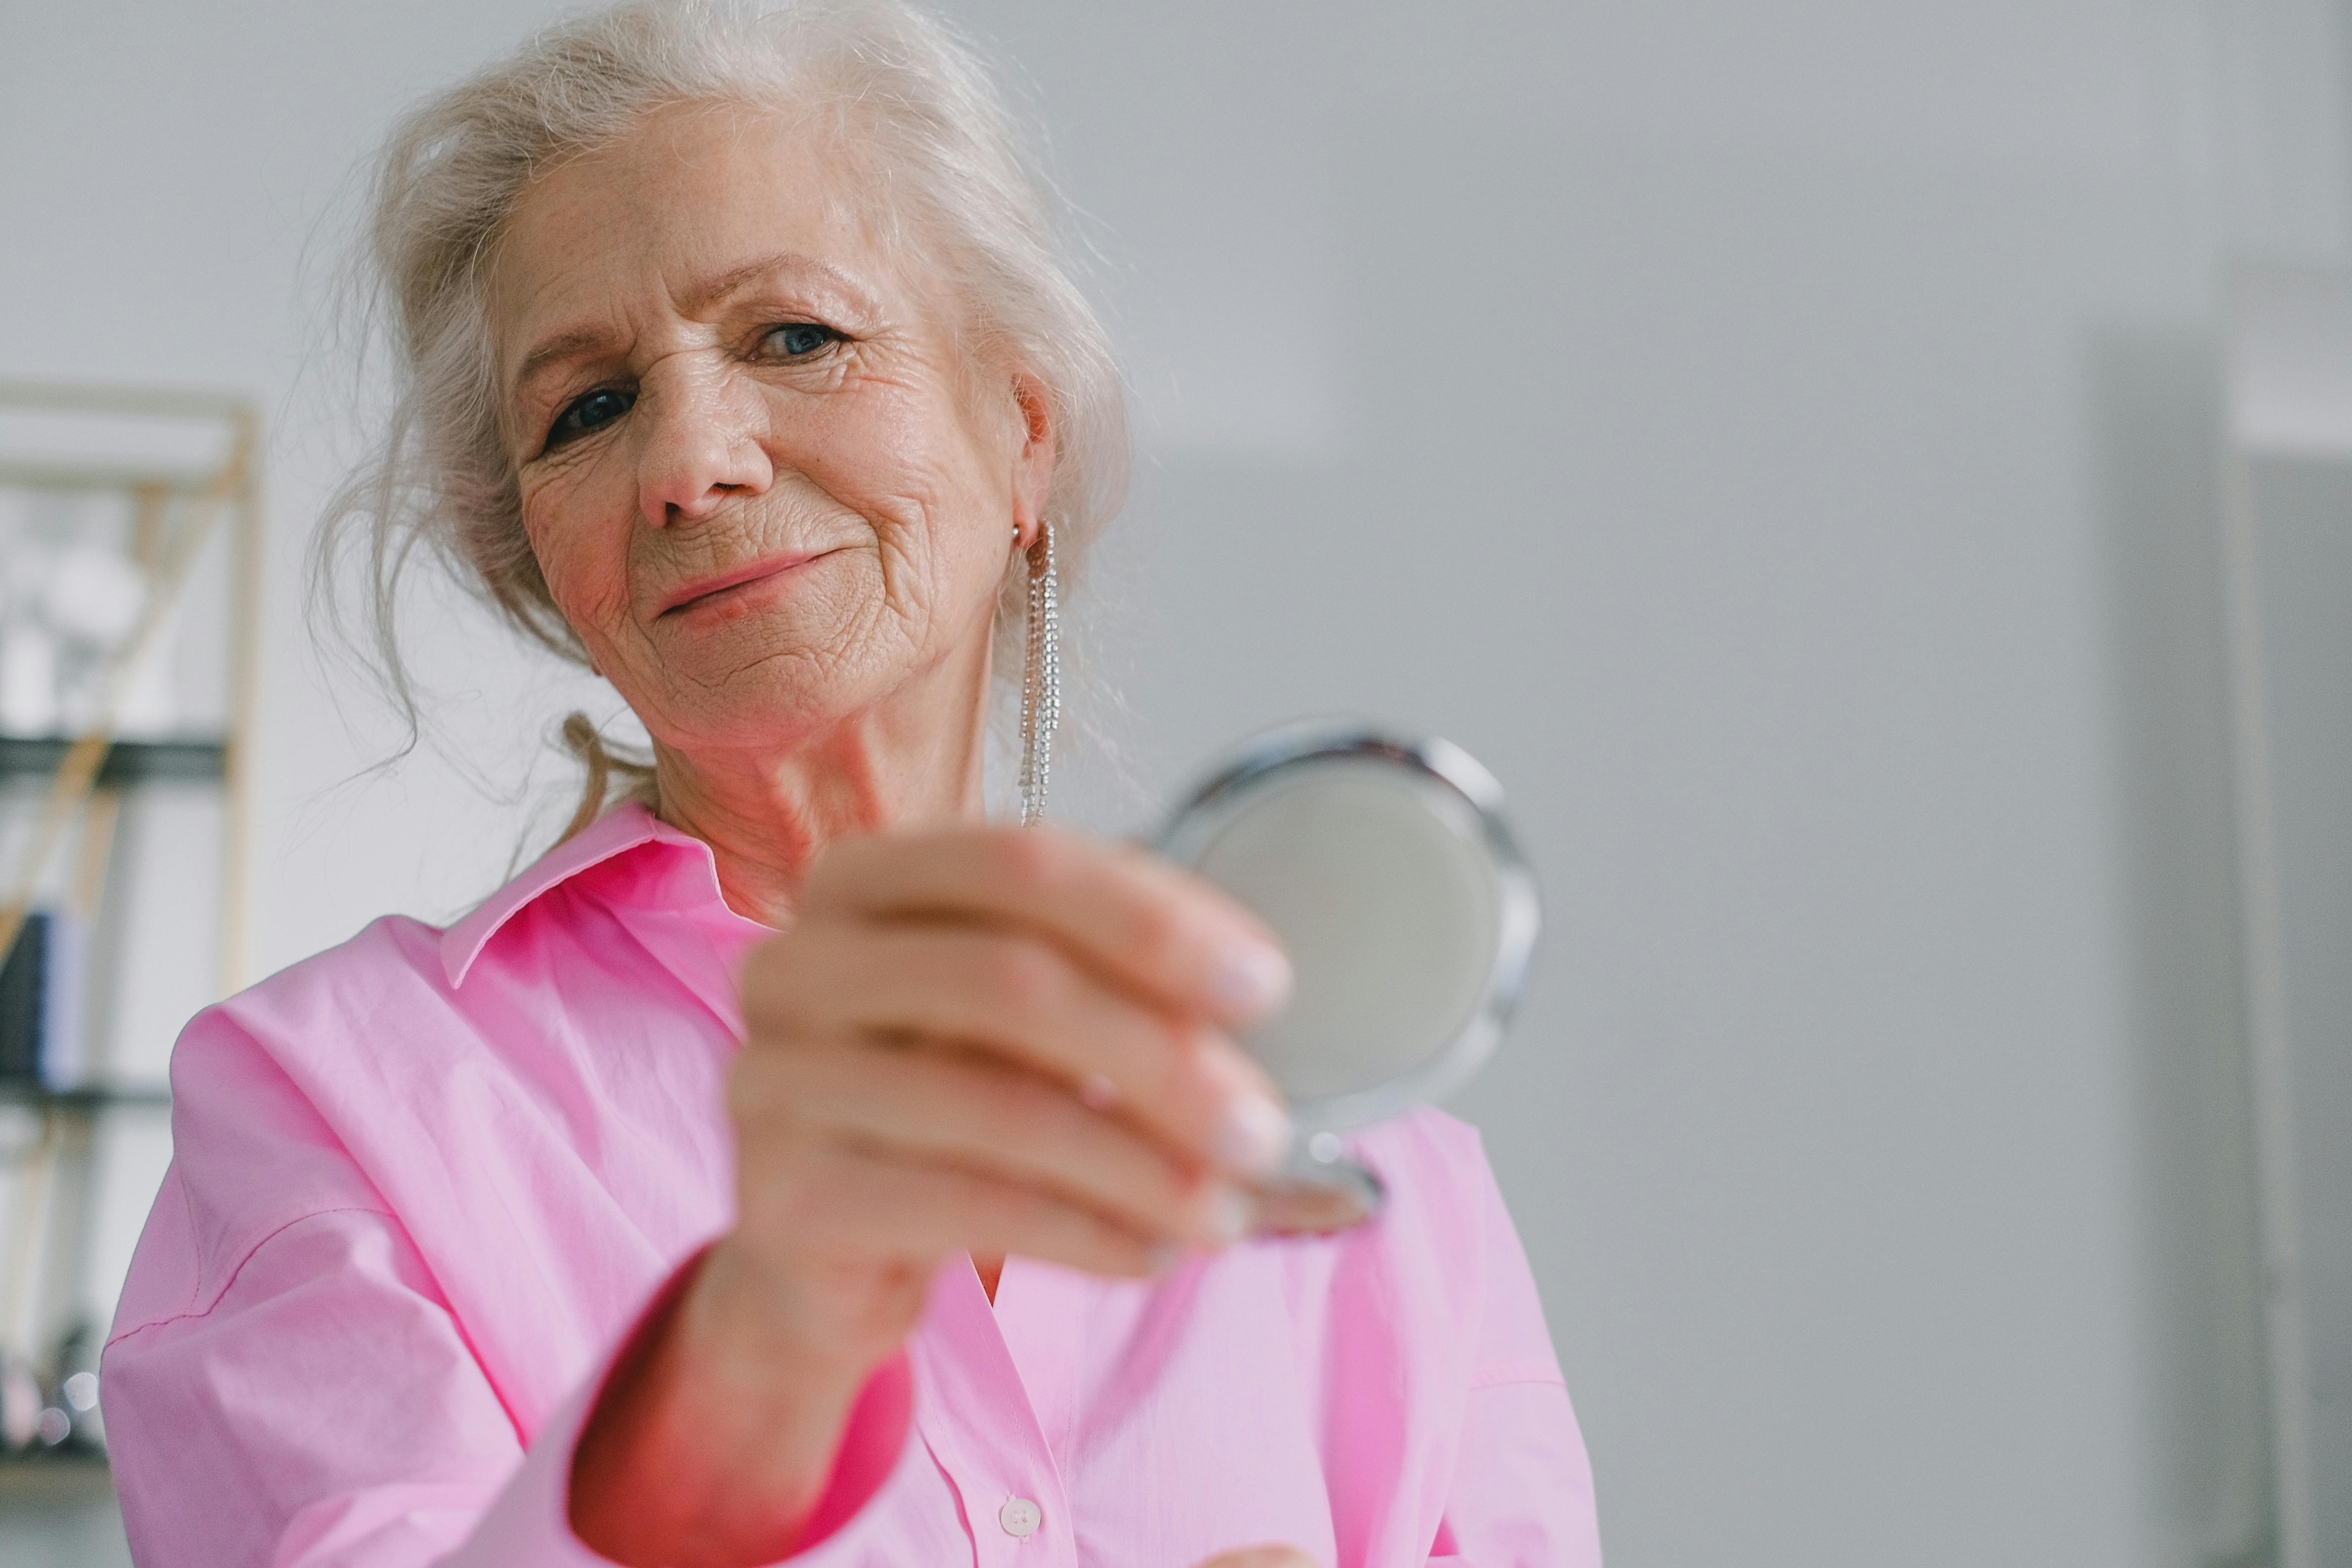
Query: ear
{"points": [[1032, 463]]}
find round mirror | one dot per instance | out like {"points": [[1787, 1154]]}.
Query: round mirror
{"points": [[1385, 868]]}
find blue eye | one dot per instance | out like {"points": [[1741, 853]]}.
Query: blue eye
{"points": [[797, 339], [589, 412]]}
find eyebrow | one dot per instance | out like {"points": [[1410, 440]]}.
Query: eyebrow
{"points": [[563, 346], [694, 300]]}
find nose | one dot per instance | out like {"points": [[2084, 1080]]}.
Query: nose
{"points": [[700, 427]]}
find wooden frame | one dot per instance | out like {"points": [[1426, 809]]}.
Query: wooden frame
{"points": [[43, 1274]]}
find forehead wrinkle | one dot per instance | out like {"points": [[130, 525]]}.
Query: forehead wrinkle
{"points": [[505, 294], [702, 295]]}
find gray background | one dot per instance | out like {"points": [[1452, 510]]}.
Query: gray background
{"points": [[1776, 437]]}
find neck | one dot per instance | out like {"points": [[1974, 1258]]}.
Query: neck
{"points": [[912, 759]]}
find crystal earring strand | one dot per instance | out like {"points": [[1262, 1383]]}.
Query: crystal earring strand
{"points": [[1040, 680]]}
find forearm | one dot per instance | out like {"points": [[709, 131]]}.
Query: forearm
{"points": [[704, 1449]]}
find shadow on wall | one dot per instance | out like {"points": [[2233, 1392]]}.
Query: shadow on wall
{"points": [[2304, 508], [2155, 422]]}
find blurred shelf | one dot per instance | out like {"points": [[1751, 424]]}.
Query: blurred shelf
{"points": [[106, 397], [84, 1101], [185, 480], [54, 1475], [127, 762]]}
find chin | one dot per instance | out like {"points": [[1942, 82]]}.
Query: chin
{"points": [[765, 699]]}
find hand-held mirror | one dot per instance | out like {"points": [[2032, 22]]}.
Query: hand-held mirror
{"points": [[1385, 868]]}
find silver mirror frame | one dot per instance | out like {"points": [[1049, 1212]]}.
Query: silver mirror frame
{"points": [[1204, 813]]}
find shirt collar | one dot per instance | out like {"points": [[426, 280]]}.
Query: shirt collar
{"points": [[615, 833]]}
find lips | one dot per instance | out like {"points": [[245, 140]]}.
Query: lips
{"points": [[708, 588]]}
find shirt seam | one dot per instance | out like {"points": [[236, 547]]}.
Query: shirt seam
{"points": [[1517, 1377], [238, 1268]]}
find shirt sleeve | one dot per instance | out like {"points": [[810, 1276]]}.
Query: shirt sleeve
{"points": [[1521, 1495], [326, 1412]]}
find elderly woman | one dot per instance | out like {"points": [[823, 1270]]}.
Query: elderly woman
{"points": [[790, 1165]]}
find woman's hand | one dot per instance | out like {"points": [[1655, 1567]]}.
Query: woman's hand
{"points": [[988, 1041], [1262, 1557], [993, 1042]]}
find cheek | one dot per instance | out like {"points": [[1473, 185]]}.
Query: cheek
{"points": [[582, 548], [927, 475]]}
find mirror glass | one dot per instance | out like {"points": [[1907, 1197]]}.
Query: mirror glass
{"points": [[1384, 867]]}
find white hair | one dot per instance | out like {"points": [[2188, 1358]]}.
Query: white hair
{"points": [[952, 181]]}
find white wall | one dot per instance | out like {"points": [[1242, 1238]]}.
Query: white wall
{"points": [[1772, 437]]}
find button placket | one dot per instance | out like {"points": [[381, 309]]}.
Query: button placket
{"points": [[982, 1429]]}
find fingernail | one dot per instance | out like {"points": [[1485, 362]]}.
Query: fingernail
{"points": [[1253, 1134], [1231, 1215], [1253, 979]]}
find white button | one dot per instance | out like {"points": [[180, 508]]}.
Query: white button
{"points": [[1019, 1517]]}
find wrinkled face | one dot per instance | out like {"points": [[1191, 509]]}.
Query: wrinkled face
{"points": [[763, 482]]}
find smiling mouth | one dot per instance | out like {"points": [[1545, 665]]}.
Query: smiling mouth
{"points": [[710, 589]]}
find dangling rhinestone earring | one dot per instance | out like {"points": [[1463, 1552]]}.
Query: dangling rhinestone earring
{"points": [[1041, 679]]}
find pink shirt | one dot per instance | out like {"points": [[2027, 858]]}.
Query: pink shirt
{"points": [[423, 1185]]}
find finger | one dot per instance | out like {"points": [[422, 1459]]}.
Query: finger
{"points": [[1010, 1124], [1148, 924], [1027, 1001], [850, 1200]]}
